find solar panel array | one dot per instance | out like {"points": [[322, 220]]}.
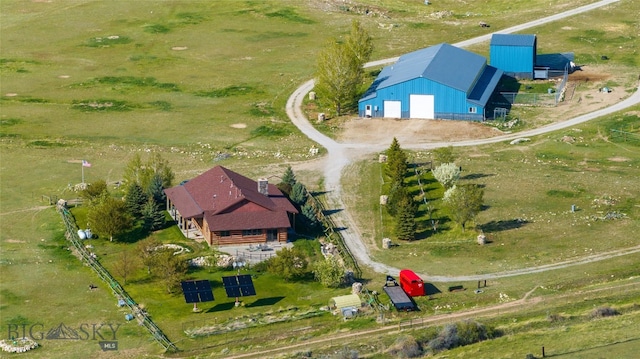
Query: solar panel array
{"points": [[238, 286], [197, 291]]}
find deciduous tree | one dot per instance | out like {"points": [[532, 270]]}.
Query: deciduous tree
{"points": [[147, 250], [109, 217], [447, 174], [338, 76], [329, 272], [464, 202], [170, 268], [94, 190], [359, 42], [125, 265], [288, 263], [444, 155]]}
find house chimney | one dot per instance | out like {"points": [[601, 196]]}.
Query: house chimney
{"points": [[263, 186]]}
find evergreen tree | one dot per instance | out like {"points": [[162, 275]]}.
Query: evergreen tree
{"points": [[155, 190], [152, 216], [397, 194], [135, 199], [289, 177], [298, 193], [288, 180], [396, 162], [310, 215], [405, 228]]}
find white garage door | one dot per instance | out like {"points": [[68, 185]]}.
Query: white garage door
{"points": [[421, 106], [393, 109]]}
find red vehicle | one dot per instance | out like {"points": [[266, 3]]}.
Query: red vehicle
{"points": [[411, 283]]}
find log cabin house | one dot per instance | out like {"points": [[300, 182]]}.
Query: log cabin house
{"points": [[230, 209]]}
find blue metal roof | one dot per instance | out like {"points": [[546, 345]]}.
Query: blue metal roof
{"points": [[513, 40], [443, 63], [484, 87]]}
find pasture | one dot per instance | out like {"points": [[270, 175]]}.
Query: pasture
{"points": [[205, 83]]}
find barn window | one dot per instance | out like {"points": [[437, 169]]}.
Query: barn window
{"points": [[473, 110], [225, 233]]}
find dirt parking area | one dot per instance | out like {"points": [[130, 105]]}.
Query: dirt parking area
{"points": [[582, 95]]}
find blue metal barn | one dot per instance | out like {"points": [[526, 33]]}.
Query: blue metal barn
{"points": [[441, 81], [514, 54]]}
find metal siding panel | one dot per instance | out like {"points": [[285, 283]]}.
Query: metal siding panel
{"points": [[512, 58]]}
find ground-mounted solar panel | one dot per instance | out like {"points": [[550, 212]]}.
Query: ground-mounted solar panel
{"points": [[233, 292], [238, 286], [197, 291], [191, 297]]}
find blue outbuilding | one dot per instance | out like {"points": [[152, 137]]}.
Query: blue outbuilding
{"points": [[442, 81], [514, 54]]}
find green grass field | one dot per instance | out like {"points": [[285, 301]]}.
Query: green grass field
{"points": [[205, 83]]}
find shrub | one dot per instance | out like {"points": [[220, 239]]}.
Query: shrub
{"points": [[406, 346], [462, 333], [603, 312]]}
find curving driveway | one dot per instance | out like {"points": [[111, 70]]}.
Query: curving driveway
{"points": [[341, 154]]}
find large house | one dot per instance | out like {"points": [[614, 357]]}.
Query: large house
{"points": [[228, 208], [442, 81]]}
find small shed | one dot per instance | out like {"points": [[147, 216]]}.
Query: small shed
{"points": [[515, 54], [345, 301]]}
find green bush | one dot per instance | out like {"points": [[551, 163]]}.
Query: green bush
{"points": [[603, 312]]}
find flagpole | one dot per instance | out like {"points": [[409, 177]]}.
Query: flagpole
{"points": [[82, 165]]}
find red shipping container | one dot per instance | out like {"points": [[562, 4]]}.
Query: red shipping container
{"points": [[411, 283]]}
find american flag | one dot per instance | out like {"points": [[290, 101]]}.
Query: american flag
{"points": [[85, 164]]}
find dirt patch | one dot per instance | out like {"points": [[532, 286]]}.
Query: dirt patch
{"points": [[588, 74], [239, 125], [618, 159], [14, 241], [376, 131], [179, 48], [11, 94]]}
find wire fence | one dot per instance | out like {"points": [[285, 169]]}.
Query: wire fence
{"points": [[554, 95], [119, 292], [335, 237]]}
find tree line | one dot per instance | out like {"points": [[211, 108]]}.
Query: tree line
{"points": [[461, 201]]}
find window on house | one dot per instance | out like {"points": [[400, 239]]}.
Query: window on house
{"points": [[473, 110], [252, 232], [225, 233]]}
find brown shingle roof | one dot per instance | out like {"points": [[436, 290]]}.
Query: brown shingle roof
{"points": [[220, 191], [247, 220]]}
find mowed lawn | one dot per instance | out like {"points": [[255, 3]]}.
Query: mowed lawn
{"points": [[203, 83]]}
